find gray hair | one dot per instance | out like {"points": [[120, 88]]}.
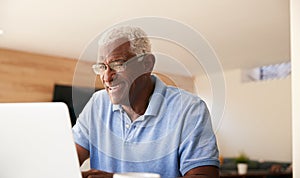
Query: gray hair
{"points": [[139, 42]]}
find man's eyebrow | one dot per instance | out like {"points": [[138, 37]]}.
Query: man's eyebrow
{"points": [[118, 59], [115, 58]]}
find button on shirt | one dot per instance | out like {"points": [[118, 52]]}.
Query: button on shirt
{"points": [[172, 137]]}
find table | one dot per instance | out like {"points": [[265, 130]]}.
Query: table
{"points": [[255, 174]]}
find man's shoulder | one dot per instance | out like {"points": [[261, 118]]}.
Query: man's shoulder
{"points": [[99, 103], [100, 98], [101, 94], [181, 94]]}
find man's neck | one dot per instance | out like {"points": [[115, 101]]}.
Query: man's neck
{"points": [[139, 103], [130, 112]]}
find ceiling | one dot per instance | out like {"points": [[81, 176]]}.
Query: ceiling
{"points": [[242, 33]]}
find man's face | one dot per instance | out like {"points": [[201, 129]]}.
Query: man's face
{"points": [[119, 85]]}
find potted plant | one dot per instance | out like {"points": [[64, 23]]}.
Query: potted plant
{"points": [[242, 163]]}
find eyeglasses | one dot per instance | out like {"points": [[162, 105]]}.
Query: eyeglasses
{"points": [[118, 65]]}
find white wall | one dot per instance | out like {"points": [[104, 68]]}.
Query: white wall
{"points": [[257, 117], [295, 53]]}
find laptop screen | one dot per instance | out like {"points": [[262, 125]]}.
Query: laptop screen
{"points": [[36, 141]]}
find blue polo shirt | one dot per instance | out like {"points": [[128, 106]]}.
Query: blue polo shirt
{"points": [[173, 136]]}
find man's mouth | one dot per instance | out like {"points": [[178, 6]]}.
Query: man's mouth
{"points": [[114, 88]]}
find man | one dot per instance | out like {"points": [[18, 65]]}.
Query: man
{"points": [[138, 124]]}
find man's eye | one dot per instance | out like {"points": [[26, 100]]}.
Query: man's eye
{"points": [[117, 63], [117, 66], [101, 67]]}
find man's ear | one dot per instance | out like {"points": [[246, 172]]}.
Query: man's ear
{"points": [[149, 61]]}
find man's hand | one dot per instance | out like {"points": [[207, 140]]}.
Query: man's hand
{"points": [[203, 172], [93, 173]]}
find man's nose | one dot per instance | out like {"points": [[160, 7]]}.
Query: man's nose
{"points": [[108, 75]]}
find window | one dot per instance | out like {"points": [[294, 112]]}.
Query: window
{"points": [[269, 72]]}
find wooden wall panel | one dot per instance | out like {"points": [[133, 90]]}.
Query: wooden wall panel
{"points": [[29, 77], [183, 82]]}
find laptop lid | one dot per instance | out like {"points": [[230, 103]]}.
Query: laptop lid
{"points": [[36, 141]]}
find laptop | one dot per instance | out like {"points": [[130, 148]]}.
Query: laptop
{"points": [[36, 141]]}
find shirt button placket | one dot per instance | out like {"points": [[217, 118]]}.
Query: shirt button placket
{"points": [[127, 125]]}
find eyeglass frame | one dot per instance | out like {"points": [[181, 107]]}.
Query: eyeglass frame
{"points": [[113, 67]]}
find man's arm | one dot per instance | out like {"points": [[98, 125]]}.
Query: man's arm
{"points": [[82, 153], [200, 146], [203, 172]]}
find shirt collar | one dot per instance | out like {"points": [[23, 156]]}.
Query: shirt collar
{"points": [[156, 98], [116, 107]]}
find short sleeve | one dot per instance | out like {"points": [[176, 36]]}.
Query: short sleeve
{"points": [[198, 146], [81, 130]]}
